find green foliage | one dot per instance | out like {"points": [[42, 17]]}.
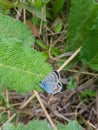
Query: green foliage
{"points": [[41, 125], [39, 4], [5, 6], [73, 125], [33, 7], [39, 42], [3, 117], [72, 84], [57, 26], [84, 31], [79, 13], [15, 30], [34, 125], [33, 10], [89, 54], [55, 51], [58, 5], [89, 93], [21, 70]]}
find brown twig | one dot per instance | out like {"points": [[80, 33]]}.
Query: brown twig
{"points": [[7, 101], [69, 59], [44, 109], [24, 104], [83, 72], [91, 125]]}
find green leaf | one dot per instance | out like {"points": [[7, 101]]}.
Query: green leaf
{"points": [[21, 69], [73, 125], [33, 10], [8, 126], [89, 53], [3, 117], [81, 19], [89, 92], [37, 4], [55, 51], [16, 30], [72, 84], [41, 125], [84, 31], [33, 125], [5, 4], [38, 125], [57, 26], [39, 42], [58, 4]]}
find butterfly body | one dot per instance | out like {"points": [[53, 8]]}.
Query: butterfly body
{"points": [[51, 83]]}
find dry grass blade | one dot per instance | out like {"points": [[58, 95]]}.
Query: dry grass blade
{"points": [[10, 119], [45, 111], [24, 104], [7, 100], [91, 125], [69, 59]]}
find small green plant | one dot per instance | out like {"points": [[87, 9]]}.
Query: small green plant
{"points": [[72, 84]]}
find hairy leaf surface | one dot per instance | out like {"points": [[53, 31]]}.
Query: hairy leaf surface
{"points": [[21, 70], [11, 28]]}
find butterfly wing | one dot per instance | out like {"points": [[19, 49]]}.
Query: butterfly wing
{"points": [[48, 86], [57, 88], [52, 77], [51, 83], [51, 88]]}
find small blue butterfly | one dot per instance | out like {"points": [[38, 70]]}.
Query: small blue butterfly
{"points": [[51, 83]]}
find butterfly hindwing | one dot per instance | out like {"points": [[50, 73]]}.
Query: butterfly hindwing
{"points": [[57, 88], [48, 87]]}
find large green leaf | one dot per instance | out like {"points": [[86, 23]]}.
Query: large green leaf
{"points": [[80, 22], [21, 69], [89, 53], [83, 31], [16, 30]]}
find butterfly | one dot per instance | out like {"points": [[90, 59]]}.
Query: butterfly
{"points": [[51, 84]]}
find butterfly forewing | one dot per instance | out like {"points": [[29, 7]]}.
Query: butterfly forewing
{"points": [[52, 77]]}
